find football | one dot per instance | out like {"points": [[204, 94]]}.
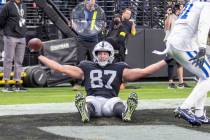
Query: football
{"points": [[35, 44]]}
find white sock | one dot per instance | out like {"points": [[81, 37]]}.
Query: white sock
{"points": [[197, 96], [199, 106]]}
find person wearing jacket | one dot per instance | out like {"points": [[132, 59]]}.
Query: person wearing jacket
{"points": [[13, 24]]}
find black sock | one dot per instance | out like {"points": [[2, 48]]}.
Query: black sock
{"points": [[170, 72], [91, 109], [118, 109]]}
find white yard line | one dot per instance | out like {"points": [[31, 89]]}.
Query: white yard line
{"points": [[128, 132], [46, 108]]}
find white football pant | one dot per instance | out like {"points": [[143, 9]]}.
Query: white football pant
{"points": [[199, 94]]}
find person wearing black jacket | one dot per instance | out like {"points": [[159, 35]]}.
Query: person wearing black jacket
{"points": [[12, 21], [121, 28], [119, 32]]}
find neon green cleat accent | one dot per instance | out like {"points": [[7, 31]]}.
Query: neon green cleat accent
{"points": [[132, 103], [81, 107]]}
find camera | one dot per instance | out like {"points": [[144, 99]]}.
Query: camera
{"points": [[116, 22]]}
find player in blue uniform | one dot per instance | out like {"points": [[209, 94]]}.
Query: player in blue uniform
{"points": [[187, 44], [102, 80]]}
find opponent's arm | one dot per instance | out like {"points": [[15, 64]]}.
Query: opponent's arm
{"points": [[72, 71], [202, 36], [136, 73], [204, 26]]}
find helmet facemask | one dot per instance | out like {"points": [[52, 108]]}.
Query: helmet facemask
{"points": [[103, 46]]}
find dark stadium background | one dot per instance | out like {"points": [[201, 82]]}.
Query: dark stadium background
{"points": [[149, 18]]}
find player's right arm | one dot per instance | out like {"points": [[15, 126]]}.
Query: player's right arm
{"points": [[72, 71]]}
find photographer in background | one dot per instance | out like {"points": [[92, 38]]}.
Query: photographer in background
{"points": [[113, 36], [121, 28]]}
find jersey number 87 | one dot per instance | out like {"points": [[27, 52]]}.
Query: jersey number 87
{"points": [[96, 78]]}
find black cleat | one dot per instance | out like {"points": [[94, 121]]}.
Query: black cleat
{"points": [[19, 88], [7, 88], [172, 86], [183, 85]]}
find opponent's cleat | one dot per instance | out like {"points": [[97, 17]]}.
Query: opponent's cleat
{"points": [[204, 119], [132, 103], [81, 107], [187, 115]]}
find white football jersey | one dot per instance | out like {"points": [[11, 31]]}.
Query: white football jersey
{"points": [[200, 0], [194, 20]]}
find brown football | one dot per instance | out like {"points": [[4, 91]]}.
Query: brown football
{"points": [[35, 44]]}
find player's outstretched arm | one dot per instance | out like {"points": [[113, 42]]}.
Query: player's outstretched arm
{"points": [[72, 71], [136, 73]]}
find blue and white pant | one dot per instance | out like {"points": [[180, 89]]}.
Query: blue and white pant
{"points": [[183, 57]]}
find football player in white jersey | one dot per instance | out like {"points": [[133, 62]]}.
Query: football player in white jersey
{"points": [[187, 44]]}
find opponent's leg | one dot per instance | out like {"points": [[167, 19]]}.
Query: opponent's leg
{"points": [[184, 111]]}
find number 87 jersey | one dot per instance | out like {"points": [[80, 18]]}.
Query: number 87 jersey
{"points": [[102, 81]]}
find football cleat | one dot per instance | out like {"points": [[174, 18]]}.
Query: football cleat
{"points": [[7, 88], [187, 115], [80, 103], [172, 86], [132, 103], [204, 119]]}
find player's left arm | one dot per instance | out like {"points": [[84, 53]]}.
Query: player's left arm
{"points": [[204, 26], [136, 73]]}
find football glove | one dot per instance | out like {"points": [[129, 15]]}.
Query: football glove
{"points": [[199, 59]]}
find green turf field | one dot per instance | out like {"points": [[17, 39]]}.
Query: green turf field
{"points": [[66, 94]]}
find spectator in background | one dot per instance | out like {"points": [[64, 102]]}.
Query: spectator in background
{"points": [[120, 30], [114, 35], [171, 17], [12, 21], [122, 4], [87, 41]]}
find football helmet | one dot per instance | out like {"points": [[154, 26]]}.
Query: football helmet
{"points": [[103, 46]]}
